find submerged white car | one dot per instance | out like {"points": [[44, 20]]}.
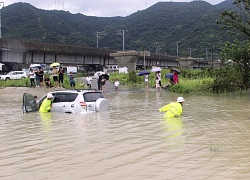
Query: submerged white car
{"points": [[70, 101], [13, 75]]}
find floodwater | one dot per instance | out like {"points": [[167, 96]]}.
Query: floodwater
{"points": [[211, 140]]}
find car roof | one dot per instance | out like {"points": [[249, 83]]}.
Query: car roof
{"points": [[17, 71], [77, 90]]}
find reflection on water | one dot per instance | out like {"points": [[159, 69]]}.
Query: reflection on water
{"points": [[46, 121], [173, 126], [131, 141]]}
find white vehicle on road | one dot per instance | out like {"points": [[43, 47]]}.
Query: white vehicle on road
{"points": [[13, 75], [71, 101]]}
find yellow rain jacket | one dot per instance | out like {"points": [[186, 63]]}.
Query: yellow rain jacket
{"points": [[46, 105], [174, 109]]}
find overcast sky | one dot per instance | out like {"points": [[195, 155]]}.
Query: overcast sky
{"points": [[101, 8]]}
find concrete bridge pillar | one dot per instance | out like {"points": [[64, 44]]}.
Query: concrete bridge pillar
{"points": [[128, 58], [186, 63]]}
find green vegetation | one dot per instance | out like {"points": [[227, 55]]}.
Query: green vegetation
{"points": [[238, 52], [24, 82]]}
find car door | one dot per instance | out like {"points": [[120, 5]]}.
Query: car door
{"points": [[29, 105], [13, 75], [72, 106], [19, 75], [60, 102]]}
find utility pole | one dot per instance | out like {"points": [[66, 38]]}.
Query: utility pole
{"points": [[190, 51], [206, 54], [158, 47], [1, 6], [121, 32], [98, 34], [144, 61], [212, 56], [177, 48], [206, 51]]}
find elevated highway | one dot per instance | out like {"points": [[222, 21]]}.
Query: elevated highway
{"points": [[18, 54]]}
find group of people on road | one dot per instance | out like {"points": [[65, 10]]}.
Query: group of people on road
{"points": [[36, 77], [57, 76], [174, 79], [39, 79], [100, 82]]}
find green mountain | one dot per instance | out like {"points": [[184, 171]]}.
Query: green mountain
{"points": [[156, 29]]}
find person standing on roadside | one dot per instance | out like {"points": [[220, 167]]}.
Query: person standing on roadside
{"points": [[55, 76], [72, 80], [158, 75], [61, 74], [89, 79], [146, 81], [117, 83], [41, 73], [102, 83], [32, 78], [157, 84], [37, 77], [99, 81]]}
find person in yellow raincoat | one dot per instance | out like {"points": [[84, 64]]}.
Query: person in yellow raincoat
{"points": [[174, 109], [47, 103]]}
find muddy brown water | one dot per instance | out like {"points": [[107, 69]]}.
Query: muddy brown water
{"points": [[211, 140]]}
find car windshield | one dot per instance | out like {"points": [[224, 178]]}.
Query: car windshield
{"points": [[9, 73], [92, 96]]}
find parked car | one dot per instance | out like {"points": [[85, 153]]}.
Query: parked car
{"points": [[13, 75], [26, 71], [70, 101]]}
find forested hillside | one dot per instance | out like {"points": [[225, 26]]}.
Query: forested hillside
{"points": [[192, 25]]}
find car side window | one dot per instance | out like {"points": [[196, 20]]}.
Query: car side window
{"points": [[71, 97], [60, 97]]}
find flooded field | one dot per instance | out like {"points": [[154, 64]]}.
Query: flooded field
{"points": [[211, 140]]}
